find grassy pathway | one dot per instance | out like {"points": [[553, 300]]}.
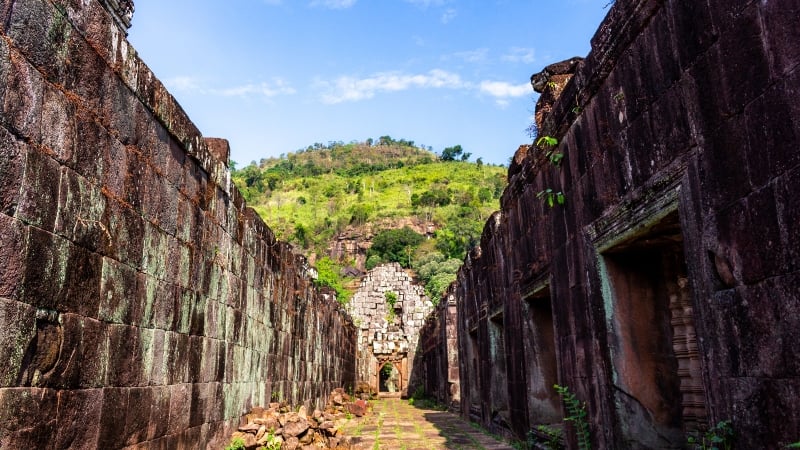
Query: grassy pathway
{"points": [[394, 424]]}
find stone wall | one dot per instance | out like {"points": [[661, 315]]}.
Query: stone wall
{"points": [[141, 301], [436, 369], [388, 333], [664, 291]]}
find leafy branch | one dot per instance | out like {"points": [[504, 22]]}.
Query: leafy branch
{"points": [[548, 144], [552, 198], [577, 415], [548, 141]]}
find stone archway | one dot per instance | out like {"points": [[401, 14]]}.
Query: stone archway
{"points": [[390, 378]]}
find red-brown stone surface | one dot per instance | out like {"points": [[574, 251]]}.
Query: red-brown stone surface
{"points": [[680, 134], [141, 302]]}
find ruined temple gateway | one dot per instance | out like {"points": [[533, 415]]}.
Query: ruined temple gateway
{"points": [[143, 304], [388, 310]]}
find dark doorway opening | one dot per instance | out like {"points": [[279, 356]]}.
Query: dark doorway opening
{"points": [[389, 378], [544, 404], [500, 411], [660, 394]]}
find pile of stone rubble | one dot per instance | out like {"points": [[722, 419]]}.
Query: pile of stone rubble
{"points": [[280, 427]]}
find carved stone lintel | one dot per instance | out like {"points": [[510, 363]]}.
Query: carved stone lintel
{"points": [[121, 11]]}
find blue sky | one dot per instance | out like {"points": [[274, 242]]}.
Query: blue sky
{"points": [[273, 76]]}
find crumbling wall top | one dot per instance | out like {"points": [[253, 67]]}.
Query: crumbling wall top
{"points": [[121, 11]]}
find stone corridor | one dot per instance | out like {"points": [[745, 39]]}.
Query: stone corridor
{"points": [[394, 424], [144, 305]]}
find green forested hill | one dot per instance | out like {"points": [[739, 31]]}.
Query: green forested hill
{"points": [[411, 205]]}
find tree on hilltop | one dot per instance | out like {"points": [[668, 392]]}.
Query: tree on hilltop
{"points": [[451, 153]]}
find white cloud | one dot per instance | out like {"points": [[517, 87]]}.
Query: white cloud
{"points": [[268, 90], [334, 4], [350, 89], [520, 54], [278, 87], [449, 15], [502, 90]]}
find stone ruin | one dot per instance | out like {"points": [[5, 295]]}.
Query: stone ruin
{"points": [[142, 304], [121, 11], [388, 333], [279, 425], [664, 291]]}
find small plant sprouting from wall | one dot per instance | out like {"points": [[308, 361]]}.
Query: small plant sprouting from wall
{"points": [[549, 196], [577, 415], [552, 198], [548, 144], [391, 300], [718, 437]]}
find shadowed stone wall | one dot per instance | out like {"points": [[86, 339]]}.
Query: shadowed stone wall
{"points": [[436, 364], [666, 287], [141, 301]]}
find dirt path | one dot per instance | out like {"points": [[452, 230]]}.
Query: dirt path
{"points": [[394, 424]]}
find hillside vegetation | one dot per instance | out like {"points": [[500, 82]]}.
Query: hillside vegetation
{"points": [[404, 203]]}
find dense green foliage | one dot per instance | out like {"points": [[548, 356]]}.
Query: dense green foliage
{"points": [[329, 274], [717, 437], [311, 196], [236, 444], [436, 272], [393, 246]]}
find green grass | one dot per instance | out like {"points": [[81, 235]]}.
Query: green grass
{"points": [[311, 186], [387, 195]]}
